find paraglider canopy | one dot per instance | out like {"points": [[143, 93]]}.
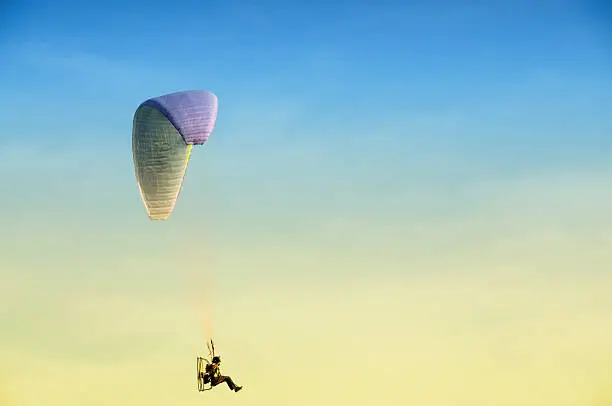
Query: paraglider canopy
{"points": [[164, 130], [192, 113]]}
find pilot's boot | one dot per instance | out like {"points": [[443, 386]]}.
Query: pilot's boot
{"points": [[237, 388]]}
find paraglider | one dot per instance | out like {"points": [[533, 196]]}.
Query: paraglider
{"points": [[164, 131], [209, 372]]}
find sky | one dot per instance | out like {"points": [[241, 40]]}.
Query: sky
{"points": [[401, 203]]}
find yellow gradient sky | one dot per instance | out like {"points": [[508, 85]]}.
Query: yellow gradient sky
{"points": [[504, 301]]}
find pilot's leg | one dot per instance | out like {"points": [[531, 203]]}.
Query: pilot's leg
{"points": [[227, 380]]}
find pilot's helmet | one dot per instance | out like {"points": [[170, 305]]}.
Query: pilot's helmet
{"points": [[216, 359]]}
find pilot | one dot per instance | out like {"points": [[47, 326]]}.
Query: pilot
{"points": [[214, 372]]}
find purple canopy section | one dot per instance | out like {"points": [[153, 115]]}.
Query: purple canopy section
{"points": [[192, 113]]}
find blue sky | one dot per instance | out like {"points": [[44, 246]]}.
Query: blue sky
{"points": [[346, 98], [521, 81], [353, 65]]}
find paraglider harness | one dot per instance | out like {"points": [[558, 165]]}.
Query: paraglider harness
{"points": [[205, 369]]}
